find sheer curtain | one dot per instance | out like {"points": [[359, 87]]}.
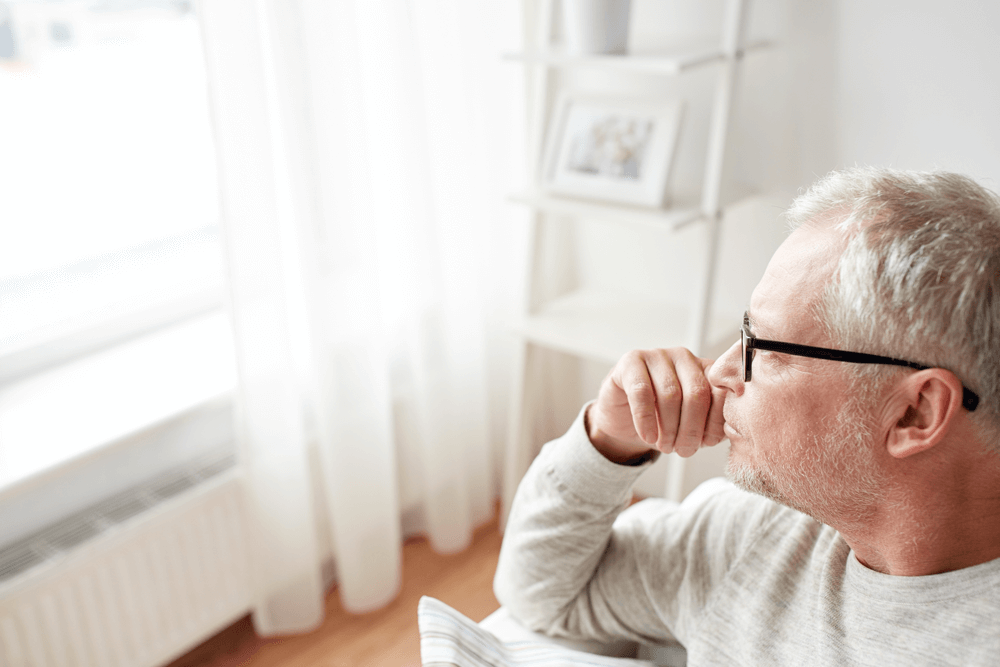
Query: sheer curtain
{"points": [[364, 147]]}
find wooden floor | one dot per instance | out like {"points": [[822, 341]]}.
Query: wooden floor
{"points": [[386, 638]]}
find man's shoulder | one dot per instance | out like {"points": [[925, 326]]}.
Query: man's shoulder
{"points": [[719, 501], [723, 522]]}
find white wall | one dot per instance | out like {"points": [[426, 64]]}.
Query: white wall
{"points": [[918, 85]]}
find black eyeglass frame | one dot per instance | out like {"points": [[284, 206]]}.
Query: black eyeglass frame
{"points": [[749, 343]]}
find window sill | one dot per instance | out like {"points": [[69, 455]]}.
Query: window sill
{"points": [[88, 429]]}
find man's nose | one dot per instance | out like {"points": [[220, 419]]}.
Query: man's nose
{"points": [[727, 371]]}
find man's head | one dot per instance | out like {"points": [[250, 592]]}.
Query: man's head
{"points": [[892, 263]]}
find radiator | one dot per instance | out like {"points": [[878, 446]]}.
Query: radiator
{"points": [[135, 582]]}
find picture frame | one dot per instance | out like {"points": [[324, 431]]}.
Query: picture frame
{"points": [[612, 149]]}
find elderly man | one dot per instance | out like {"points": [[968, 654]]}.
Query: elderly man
{"points": [[862, 406]]}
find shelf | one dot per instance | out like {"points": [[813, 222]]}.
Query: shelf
{"points": [[670, 63], [672, 218], [603, 325]]}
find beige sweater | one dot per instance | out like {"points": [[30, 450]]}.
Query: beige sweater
{"points": [[736, 578]]}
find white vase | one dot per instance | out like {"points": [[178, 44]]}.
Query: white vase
{"points": [[595, 26]]}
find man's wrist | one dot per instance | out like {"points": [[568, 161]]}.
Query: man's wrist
{"points": [[610, 448]]}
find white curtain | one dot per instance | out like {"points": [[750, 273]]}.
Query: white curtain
{"points": [[364, 148]]}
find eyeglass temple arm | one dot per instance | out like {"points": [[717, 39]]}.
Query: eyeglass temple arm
{"points": [[970, 401]]}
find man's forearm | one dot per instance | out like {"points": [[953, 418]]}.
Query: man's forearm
{"points": [[557, 536]]}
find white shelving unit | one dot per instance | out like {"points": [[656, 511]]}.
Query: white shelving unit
{"points": [[681, 58], [674, 218], [602, 325], [615, 322]]}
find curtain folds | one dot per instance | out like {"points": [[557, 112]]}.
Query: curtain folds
{"points": [[358, 157]]}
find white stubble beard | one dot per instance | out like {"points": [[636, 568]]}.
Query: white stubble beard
{"points": [[837, 479]]}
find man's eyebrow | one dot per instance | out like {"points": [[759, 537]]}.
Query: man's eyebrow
{"points": [[756, 328]]}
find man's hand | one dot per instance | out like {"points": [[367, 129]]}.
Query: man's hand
{"points": [[656, 399]]}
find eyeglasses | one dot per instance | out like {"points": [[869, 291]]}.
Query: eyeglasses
{"points": [[749, 343]]}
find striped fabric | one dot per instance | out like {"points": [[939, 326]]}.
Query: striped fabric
{"points": [[449, 639]]}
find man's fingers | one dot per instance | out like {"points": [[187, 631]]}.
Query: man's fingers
{"points": [[680, 401], [714, 433], [633, 378], [695, 404], [669, 396], [665, 398]]}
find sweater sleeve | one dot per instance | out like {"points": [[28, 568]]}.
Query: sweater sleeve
{"points": [[574, 564]]}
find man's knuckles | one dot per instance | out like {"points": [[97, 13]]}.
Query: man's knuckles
{"points": [[699, 394]]}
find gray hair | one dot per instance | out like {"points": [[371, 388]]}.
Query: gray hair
{"points": [[920, 276]]}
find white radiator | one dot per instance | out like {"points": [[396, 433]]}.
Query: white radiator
{"points": [[134, 582]]}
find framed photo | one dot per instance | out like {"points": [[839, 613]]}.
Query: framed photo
{"points": [[612, 149]]}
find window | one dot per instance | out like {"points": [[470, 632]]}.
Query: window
{"points": [[111, 317]]}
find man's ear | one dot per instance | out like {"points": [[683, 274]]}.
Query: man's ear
{"points": [[923, 405]]}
